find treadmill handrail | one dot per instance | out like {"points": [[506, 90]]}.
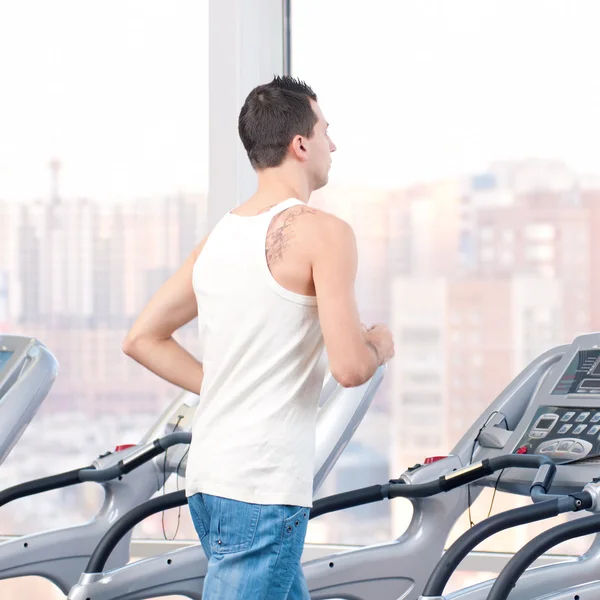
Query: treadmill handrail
{"points": [[397, 488], [452, 558], [38, 486], [136, 515], [336, 502], [137, 457], [91, 473], [519, 563]]}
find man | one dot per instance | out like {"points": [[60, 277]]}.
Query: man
{"points": [[271, 285]]}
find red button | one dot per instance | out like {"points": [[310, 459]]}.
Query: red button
{"points": [[521, 450], [124, 447], [432, 459]]}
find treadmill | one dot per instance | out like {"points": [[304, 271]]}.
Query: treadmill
{"points": [[562, 422], [131, 475], [552, 409]]}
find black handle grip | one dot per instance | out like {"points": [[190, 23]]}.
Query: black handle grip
{"points": [[140, 457], [37, 486], [344, 500], [544, 477], [521, 461]]}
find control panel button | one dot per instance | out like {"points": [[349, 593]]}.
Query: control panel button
{"points": [[595, 418], [123, 447], [536, 435], [577, 448], [564, 446], [594, 429], [431, 459], [521, 450], [582, 417], [548, 447], [564, 429], [568, 416], [579, 429]]}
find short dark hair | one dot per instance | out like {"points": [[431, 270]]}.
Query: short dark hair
{"points": [[271, 116]]}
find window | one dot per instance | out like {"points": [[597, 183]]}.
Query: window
{"points": [[421, 336], [540, 232], [508, 235], [488, 254], [506, 258], [442, 129], [103, 181], [421, 399], [540, 252], [424, 378], [476, 360], [486, 234]]}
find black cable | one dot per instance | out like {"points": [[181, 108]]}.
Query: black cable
{"points": [[179, 466], [164, 526], [177, 487], [471, 523], [469, 499], [494, 494]]}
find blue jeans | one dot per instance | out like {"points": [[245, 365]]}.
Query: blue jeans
{"points": [[253, 550]]}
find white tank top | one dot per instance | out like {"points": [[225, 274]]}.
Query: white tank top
{"points": [[253, 436]]}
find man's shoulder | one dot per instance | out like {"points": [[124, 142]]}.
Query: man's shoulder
{"points": [[318, 233], [315, 220], [331, 229]]}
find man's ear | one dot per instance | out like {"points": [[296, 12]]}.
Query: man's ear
{"points": [[298, 147]]}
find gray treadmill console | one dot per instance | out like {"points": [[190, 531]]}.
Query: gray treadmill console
{"points": [[563, 433], [562, 421], [567, 433], [27, 372]]}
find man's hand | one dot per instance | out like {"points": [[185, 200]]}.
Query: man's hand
{"points": [[380, 338]]}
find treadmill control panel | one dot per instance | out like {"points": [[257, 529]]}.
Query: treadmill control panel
{"points": [[582, 376], [563, 433]]}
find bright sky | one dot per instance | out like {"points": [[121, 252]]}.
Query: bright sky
{"points": [[115, 88], [413, 89], [425, 88]]}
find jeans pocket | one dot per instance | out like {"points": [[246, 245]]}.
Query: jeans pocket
{"points": [[295, 523], [233, 525], [199, 515], [294, 517]]}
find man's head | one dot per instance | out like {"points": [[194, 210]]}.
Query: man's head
{"points": [[282, 121]]}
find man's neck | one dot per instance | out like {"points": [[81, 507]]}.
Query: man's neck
{"points": [[275, 185]]}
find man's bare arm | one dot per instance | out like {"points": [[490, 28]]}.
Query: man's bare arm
{"points": [[150, 341], [354, 354]]}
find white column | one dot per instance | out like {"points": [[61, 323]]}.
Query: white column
{"points": [[245, 50]]}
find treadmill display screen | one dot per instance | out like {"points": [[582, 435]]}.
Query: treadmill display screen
{"points": [[545, 423], [5, 356], [582, 375]]}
